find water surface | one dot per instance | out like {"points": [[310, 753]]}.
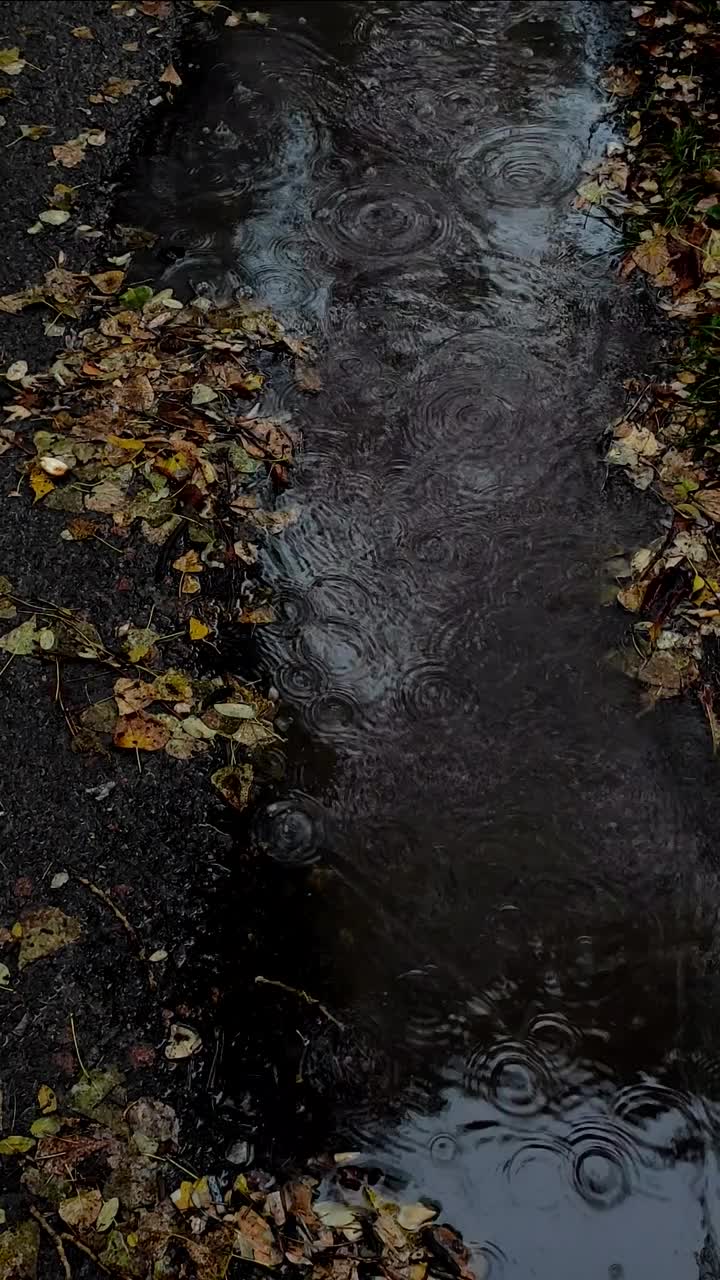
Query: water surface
{"points": [[514, 902]]}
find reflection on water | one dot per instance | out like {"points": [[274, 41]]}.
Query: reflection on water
{"points": [[512, 905]]}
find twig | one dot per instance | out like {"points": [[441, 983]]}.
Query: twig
{"points": [[296, 991], [56, 1239], [77, 1244], [120, 915], [81, 1064]]}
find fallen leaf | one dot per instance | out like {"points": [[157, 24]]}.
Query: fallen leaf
{"points": [[183, 1042], [45, 1127], [254, 1238], [19, 1249], [412, 1217], [709, 501], [234, 783], [44, 932], [136, 297], [107, 1214], [95, 1087], [11, 62], [108, 281], [83, 33], [107, 497], [47, 1101], [170, 75], [23, 640], [16, 1145], [81, 1211], [140, 731], [197, 630], [16, 371], [40, 483], [202, 394]]}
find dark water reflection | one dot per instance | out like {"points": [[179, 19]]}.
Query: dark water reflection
{"points": [[516, 901]]}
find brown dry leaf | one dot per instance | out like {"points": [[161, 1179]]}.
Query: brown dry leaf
{"points": [[58, 1156], [709, 501], [133, 695], [80, 529], [652, 256], [81, 1211], [69, 154], [108, 281], [307, 378], [254, 1238], [622, 81], [170, 76], [83, 33], [44, 932], [669, 670], [141, 731], [137, 393], [258, 617]]}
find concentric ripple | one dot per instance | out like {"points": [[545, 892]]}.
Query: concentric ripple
{"points": [[382, 221], [520, 167], [511, 1075], [604, 1160]]}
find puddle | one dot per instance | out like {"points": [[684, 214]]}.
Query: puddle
{"points": [[511, 905]]}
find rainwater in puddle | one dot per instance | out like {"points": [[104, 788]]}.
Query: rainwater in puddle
{"points": [[513, 903]]}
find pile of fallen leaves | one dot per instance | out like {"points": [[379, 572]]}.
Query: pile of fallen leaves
{"points": [[149, 427], [663, 188], [106, 1177]]}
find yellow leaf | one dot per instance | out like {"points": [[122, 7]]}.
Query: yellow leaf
{"points": [[197, 629], [141, 731], [40, 484], [190, 585], [16, 1145], [189, 563], [108, 281], [47, 1101], [127, 442]]}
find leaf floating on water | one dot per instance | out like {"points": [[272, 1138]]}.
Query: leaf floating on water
{"points": [[412, 1217], [44, 932]]}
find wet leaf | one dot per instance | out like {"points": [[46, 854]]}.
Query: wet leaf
{"points": [[81, 1211], [136, 297], [197, 630], [108, 281], [23, 640], [234, 783], [254, 1239], [16, 1145], [19, 1249], [412, 1217], [11, 62], [4, 976], [40, 483], [183, 1042], [202, 394], [190, 562], [94, 1089], [170, 76], [709, 501], [47, 1101], [107, 1214], [83, 33], [54, 217], [44, 1127], [107, 497], [141, 732], [44, 932]]}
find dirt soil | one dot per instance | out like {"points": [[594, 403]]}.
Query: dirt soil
{"points": [[154, 841]]}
